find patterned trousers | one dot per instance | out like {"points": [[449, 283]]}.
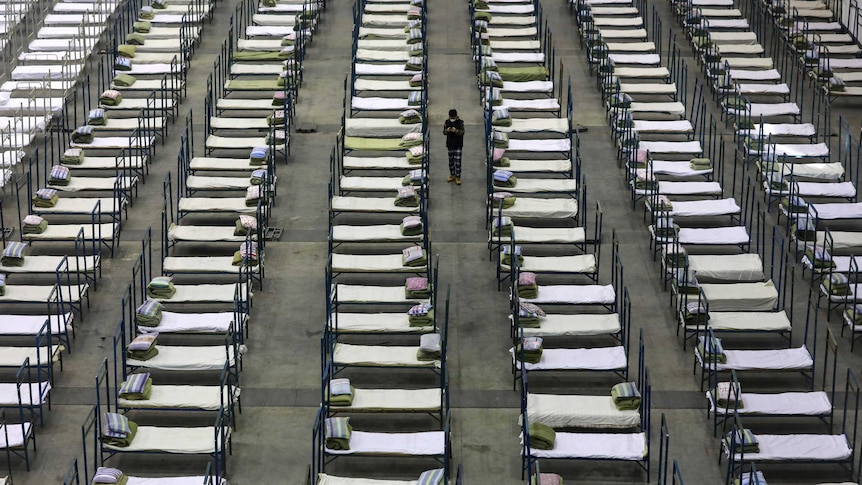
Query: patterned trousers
{"points": [[455, 162]]}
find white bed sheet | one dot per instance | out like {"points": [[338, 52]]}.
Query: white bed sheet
{"points": [[579, 411], [684, 147], [575, 294], [31, 324], [179, 397], [373, 294], [604, 446], [837, 210], [777, 359], [32, 393], [799, 447], [203, 294], [426, 443], [551, 235], [173, 322], [372, 263], [48, 264], [369, 69], [378, 104], [384, 400], [576, 264], [203, 233], [527, 87], [214, 204], [14, 356], [324, 479], [750, 321], [375, 233], [536, 125], [780, 404], [741, 297], [540, 104], [368, 204], [68, 232], [671, 108], [531, 208], [184, 441], [187, 358], [559, 325], [745, 267], [586, 359], [379, 127], [380, 356], [375, 323]]}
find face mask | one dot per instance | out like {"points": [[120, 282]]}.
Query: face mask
{"points": [[451, 119]]}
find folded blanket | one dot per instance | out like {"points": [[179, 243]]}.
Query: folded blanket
{"points": [[530, 315], [502, 226], [700, 164], [83, 134], [417, 288], [135, 38], [13, 254], [507, 253], [711, 350], [342, 399], [149, 314], [110, 476], [59, 174], [665, 228], [854, 314], [137, 387], [413, 64], [491, 78], [411, 226], [146, 13], [37, 228], [744, 441], [531, 349], [253, 195], [122, 442], [501, 117], [72, 156], [143, 354], [694, 313], [837, 284], [407, 197], [141, 27], [2, 284], [45, 198], [725, 395], [409, 117], [482, 15], [415, 155], [111, 97], [626, 396], [160, 288], [127, 50], [794, 205], [505, 181], [96, 117], [819, 257], [542, 437], [259, 156], [124, 80], [425, 320], [337, 432]]}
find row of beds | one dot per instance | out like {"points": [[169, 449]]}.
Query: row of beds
{"points": [[81, 225], [50, 291], [726, 293], [203, 319], [537, 228], [379, 193]]}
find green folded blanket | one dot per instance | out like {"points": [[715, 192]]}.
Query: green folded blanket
{"points": [[127, 50], [12, 261], [135, 38], [35, 229], [61, 182], [507, 202], [708, 357], [837, 284], [503, 231], [254, 56], [409, 120], [45, 203], [854, 314], [421, 320], [82, 138], [407, 201], [110, 101], [626, 396], [139, 396], [745, 441], [819, 258], [417, 294], [161, 293], [528, 292], [122, 442], [506, 259], [148, 320], [482, 15], [143, 354], [124, 80], [542, 437], [411, 231], [501, 162], [530, 356], [141, 27], [700, 164], [427, 356], [342, 399], [508, 184]]}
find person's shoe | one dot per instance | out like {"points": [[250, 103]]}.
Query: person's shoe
{"points": [[457, 180], [451, 178]]}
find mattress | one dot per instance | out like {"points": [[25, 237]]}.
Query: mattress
{"points": [[198, 182], [374, 323], [203, 265], [204, 294], [369, 69], [379, 127], [324, 479], [184, 441], [84, 184], [368, 204], [531, 208], [527, 87], [179, 397], [376, 85], [392, 400], [726, 268], [799, 447], [375, 233], [698, 208], [780, 404], [32, 393], [78, 205], [741, 297], [541, 235], [576, 264], [596, 446], [750, 321], [536, 125], [214, 204], [575, 295], [49, 264], [528, 185], [190, 480], [371, 263], [675, 168], [573, 411], [32, 324], [559, 325], [373, 294], [14, 356], [382, 163], [539, 104], [203, 233], [69, 232], [187, 358], [836, 211], [539, 166], [380, 356], [172, 322], [428, 443], [583, 359]]}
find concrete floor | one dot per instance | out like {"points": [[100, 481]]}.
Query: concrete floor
{"points": [[281, 372]]}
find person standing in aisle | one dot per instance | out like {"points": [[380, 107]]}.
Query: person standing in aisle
{"points": [[453, 128]]}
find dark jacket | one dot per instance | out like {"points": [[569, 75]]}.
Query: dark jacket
{"points": [[454, 140]]}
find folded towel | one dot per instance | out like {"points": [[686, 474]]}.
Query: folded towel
{"points": [[141, 27], [111, 97], [700, 163], [528, 292], [135, 38], [542, 437], [340, 392], [626, 396]]}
